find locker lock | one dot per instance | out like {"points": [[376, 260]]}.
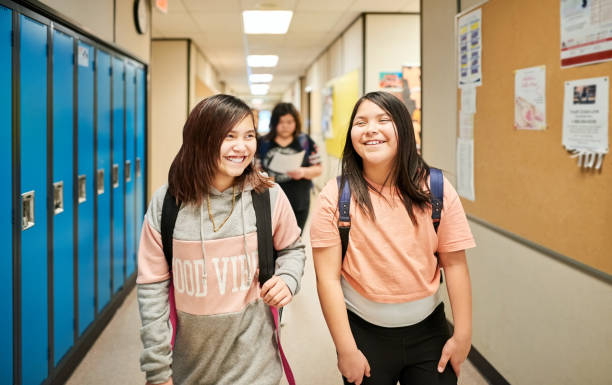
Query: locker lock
{"points": [[82, 183], [27, 210], [128, 171], [100, 181], [58, 197], [115, 175], [137, 166]]}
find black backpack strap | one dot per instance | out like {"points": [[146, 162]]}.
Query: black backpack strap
{"points": [[436, 186], [265, 245], [344, 207], [170, 211]]}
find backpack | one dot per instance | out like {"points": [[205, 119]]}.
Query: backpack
{"points": [[344, 205], [265, 250]]}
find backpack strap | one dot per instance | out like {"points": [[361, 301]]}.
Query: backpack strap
{"points": [[304, 143], [344, 208], [263, 147], [265, 246], [170, 211], [436, 182]]}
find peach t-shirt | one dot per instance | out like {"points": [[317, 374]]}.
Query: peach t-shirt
{"points": [[390, 260]]}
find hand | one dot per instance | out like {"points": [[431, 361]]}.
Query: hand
{"points": [[297, 173], [169, 382], [353, 365], [275, 292], [456, 350]]}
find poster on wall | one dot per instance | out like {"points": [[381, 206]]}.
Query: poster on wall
{"points": [[586, 32], [585, 120], [406, 85], [530, 98], [328, 107], [470, 49]]}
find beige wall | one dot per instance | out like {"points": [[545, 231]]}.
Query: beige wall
{"points": [[535, 319], [168, 107], [391, 41], [96, 16]]}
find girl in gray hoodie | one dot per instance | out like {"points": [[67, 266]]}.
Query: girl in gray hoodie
{"points": [[226, 331]]}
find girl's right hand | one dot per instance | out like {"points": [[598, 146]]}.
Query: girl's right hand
{"points": [[353, 365]]}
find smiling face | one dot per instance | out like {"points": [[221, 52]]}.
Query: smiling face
{"points": [[236, 152], [374, 136]]}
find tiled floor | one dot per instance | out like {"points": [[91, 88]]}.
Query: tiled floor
{"points": [[114, 357]]}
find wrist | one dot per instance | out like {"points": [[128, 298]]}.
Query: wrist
{"points": [[463, 336], [347, 349]]}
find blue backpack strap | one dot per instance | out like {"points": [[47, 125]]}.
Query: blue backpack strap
{"points": [[344, 207], [263, 148], [304, 143], [437, 195]]}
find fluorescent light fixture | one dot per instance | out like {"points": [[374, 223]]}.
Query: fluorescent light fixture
{"points": [[262, 60], [259, 89], [260, 78], [266, 22]]}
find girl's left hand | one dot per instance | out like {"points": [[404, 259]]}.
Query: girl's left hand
{"points": [[297, 173], [456, 350], [275, 292]]}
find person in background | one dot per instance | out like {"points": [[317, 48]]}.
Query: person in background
{"points": [[381, 301], [286, 137]]}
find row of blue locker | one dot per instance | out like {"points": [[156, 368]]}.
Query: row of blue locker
{"points": [[72, 157]]}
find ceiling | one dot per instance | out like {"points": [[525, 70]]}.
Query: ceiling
{"points": [[215, 26]]}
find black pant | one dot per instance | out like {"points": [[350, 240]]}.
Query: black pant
{"points": [[408, 354], [301, 216]]}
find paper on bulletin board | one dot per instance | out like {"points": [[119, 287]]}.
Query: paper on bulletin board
{"points": [[585, 119], [465, 168], [586, 32], [470, 48], [466, 125], [468, 99], [530, 98], [326, 115]]}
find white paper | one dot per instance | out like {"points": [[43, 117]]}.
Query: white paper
{"points": [[83, 56], [468, 99], [465, 168], [585, 117], [466, 125], [283, 163], [470, 48], [586, 32], [530, 98]]}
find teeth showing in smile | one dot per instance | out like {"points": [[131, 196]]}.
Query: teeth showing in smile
{"points": [[236, 159], [371, 142]]}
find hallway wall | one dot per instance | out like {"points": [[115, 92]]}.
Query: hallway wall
{"points": [[536, 319]]}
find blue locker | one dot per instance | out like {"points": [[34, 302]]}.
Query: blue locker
{"points": [[103, 181], [141, 109], [33, 115], [130, 150], [118, 198], [6, 192], [63, 165], [85, 180]]}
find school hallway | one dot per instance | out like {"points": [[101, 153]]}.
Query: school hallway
{"points": [[114, 358]]}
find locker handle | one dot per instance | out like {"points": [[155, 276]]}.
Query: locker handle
{"points": [[115, 175], [137, 165], [58, 197], [128, 171], [82, 183], [27, 210], [100, 181]]}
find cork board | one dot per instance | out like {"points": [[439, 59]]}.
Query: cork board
{"points": [[525, 181]]}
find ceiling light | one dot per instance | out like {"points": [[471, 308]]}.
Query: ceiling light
{"points": [[259, 89], [266, 22], [262, 60], [260, 78], [257, 102]]}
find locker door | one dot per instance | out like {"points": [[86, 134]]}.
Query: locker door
{"points": [[33, 102], [141, 109], [130, 150], [118, 195], [63, 237], [85, 185], [103, 178], [6, 192]]}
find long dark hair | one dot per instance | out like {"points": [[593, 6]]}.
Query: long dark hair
{"points": [[282, 109], [194, 167], [409, 172]]}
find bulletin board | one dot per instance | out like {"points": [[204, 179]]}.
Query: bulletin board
{"points": [[525, 181], [344, 95]]}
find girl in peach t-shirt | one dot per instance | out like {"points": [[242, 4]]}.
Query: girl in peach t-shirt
{"points": [[381, 301]]}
